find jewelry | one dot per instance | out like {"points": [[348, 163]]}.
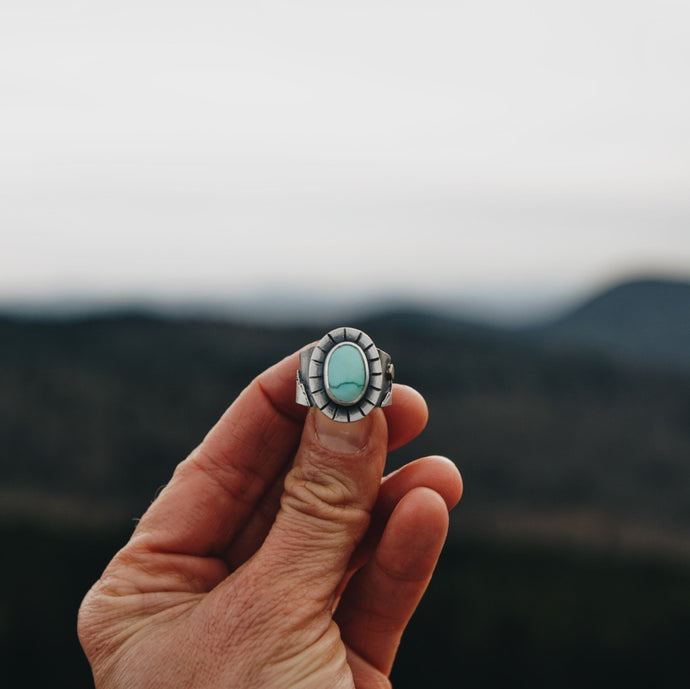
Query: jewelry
{"points": [[345, 375]]}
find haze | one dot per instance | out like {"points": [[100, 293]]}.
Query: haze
{"points": [[496, 153]]}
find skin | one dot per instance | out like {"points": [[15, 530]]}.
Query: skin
{"points": [[277, 556]]}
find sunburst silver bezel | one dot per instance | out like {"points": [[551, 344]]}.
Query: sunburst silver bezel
{"points": [[317, 385]]}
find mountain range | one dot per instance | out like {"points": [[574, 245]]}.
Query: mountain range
{"points": [[585, 418], [568, 556]]}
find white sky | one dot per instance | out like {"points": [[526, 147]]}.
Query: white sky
{"points": [[430, 149]]}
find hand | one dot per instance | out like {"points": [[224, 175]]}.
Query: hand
{"points": [[276, 556]]}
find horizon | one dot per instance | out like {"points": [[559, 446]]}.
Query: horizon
{"points": [[492, 309]]}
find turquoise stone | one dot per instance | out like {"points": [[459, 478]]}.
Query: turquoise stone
{"points": [[346, 374]]}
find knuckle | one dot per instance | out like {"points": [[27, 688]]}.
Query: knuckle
{"points": [[85, 623], [324, 497], [92, 624]]}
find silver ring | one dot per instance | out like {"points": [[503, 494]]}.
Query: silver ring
{"points": [[345, 375]]}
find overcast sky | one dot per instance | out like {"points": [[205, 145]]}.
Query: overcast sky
{"points": [[428, 149]]}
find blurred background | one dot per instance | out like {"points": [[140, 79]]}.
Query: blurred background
{"points": [[498, 193]]}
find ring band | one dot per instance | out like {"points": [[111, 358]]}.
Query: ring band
{"points": [[345, 375]]}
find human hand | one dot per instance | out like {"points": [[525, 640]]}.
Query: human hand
{"points": [[276, 557]]}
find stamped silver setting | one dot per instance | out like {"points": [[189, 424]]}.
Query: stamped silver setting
{"points": [[313, 381]]}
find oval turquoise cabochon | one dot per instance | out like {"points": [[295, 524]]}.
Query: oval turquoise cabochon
{"points": [[346, 374]]}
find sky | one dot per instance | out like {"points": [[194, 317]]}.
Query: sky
{"points": [[497, 154]]}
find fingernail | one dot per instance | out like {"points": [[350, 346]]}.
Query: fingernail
{"points": [[344, 438]]}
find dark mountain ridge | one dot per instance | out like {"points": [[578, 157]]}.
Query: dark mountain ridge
{"points": [[96, 411], [643, 322]]}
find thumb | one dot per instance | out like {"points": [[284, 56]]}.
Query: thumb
{"points": [[326, 503]]}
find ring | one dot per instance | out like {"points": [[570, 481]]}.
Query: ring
{"points": [[345, 375]]}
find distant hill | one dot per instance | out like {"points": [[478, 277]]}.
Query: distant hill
{"points": [[644, 321], [95, 412]]}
